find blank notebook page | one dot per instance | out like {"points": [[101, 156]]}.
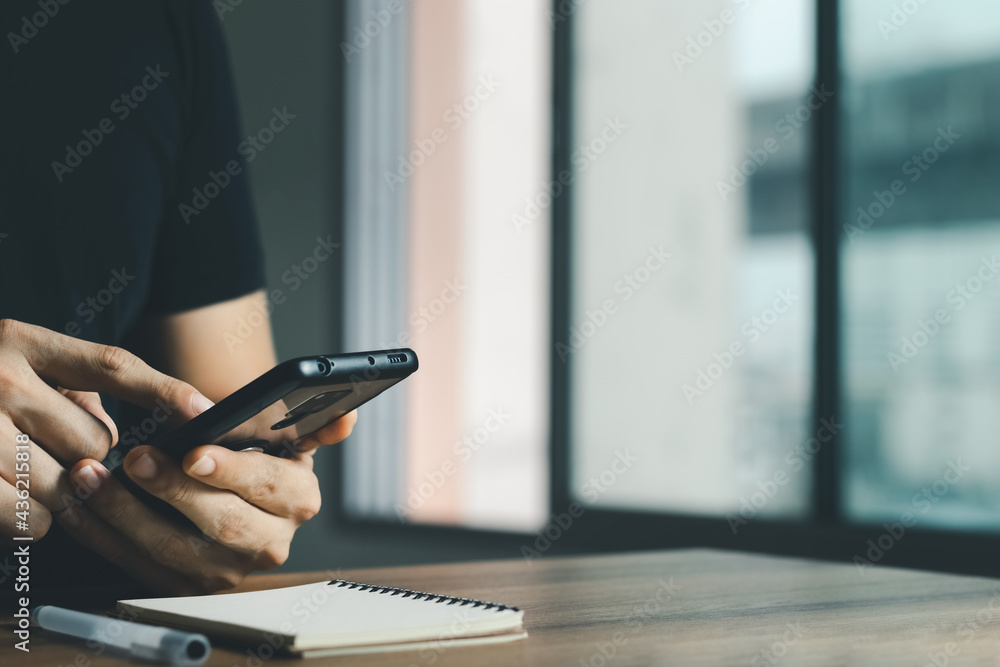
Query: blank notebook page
{"points": [[332, 614]]}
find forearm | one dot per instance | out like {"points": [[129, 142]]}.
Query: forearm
{"points": [[210, 349]]}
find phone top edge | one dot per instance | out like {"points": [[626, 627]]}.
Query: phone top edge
{"points": [[411, 355], [389, 363], [312, 371]]}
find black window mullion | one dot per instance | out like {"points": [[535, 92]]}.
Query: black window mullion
{"points": [[561, 256], [825, 161]]}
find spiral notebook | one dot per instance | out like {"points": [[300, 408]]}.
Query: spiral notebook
{"points": [[336, 618]]}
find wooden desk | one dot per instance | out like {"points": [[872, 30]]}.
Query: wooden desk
{"points": [[714, 608]]}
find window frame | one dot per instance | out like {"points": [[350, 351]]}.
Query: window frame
{"points": [[825, 533]]}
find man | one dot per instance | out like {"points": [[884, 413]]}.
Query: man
{"points": [[126, 232]]}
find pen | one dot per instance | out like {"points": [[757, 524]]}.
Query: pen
{"points": [[142, 641]]}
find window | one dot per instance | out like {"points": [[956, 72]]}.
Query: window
{"points": [[769, 230], [450, 132], [691, 327], [921, 112]]}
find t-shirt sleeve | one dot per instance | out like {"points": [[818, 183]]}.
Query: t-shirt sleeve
{"points": [[208, 246]]}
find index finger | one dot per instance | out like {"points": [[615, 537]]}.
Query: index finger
{"points": [[84, 366]]}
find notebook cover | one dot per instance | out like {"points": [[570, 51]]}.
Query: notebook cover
{"points": [[336, 616]]}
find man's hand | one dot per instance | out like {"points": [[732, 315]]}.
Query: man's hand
{"points": [[48, 385], [246, 505]]}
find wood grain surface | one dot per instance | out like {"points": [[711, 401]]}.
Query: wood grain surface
{"points": [[689, 607]]}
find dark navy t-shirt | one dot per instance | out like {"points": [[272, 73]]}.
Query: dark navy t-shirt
{"points": [[122, 194]]}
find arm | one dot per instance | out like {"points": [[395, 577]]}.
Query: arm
{"points": [[202, 347]]}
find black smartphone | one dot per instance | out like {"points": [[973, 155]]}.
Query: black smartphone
{"points": [[290, 401], [278, 409]]}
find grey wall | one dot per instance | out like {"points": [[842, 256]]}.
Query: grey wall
{"points": [[284, 59]]}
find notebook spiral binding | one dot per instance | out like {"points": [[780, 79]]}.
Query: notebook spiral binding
{"points": [[417, 595]]}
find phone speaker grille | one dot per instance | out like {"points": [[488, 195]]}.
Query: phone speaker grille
{"points": [[397, 358]]}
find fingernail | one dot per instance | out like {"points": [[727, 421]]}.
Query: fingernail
{"points": [[203, 466], [87, 477], [101, 471], [200, 403], [144, 468]]}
